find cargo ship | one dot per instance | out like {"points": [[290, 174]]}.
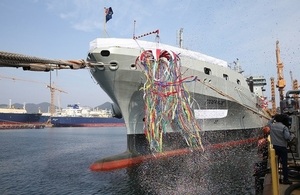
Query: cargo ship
{"points": [[75, 115], [18, 118], [175, 100]]}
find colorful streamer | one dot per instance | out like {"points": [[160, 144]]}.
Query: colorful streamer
{"points": [[167, 102]]}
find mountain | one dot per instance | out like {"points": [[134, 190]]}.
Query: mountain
{"points": [[106, 105], [45, 106]]}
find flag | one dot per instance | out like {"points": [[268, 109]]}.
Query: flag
{"points": [[108, 14]]}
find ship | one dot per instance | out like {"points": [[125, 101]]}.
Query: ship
{"points": [[75, 115], [19, 118], [224, 106]]}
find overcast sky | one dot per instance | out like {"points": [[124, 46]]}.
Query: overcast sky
{"points": [[63, 29]]}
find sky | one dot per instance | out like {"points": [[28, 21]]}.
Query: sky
{"points": [[63, 29]]}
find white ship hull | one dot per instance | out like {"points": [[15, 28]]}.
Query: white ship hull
{"points": [[223, 105]]}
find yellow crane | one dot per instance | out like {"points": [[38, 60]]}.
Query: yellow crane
{"points": [[273, 99], [280, 78], [51, 87]]}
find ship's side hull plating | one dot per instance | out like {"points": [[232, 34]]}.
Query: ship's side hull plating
{"points": [[13, 118], [86, 122]]}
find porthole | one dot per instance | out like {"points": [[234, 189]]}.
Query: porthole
{"points": [[105, 53], [207, 71], [133, 67], [113, 66]]}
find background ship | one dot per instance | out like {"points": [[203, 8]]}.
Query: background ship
{"points": [[18, 118], [76, 116]]}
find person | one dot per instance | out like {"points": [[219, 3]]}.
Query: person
{"points": [[280, 136]]}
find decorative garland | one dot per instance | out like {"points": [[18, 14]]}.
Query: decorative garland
{"points": [[167, 102]]}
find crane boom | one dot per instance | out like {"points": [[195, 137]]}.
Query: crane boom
{"points": [[280, 78], [273, 101], [52, 91]]}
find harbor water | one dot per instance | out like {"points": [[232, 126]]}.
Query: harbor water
{"points": [[57, 160]]}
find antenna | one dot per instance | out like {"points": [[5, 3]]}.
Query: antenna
{"points": [[133, 29], [180, 38], [104, 22]]}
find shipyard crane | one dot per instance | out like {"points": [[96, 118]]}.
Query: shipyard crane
{"points": [[273, 99], [295, 86], [292, 80], [52, 90], [280, 78]]}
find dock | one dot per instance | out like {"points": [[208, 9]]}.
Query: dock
{"points": [[282, 189], [22, 126], [271, 176]]}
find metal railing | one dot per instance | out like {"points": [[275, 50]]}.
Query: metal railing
{"points": [[274, 169]]}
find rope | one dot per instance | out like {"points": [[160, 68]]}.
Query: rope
{"points": [[233, 99], [14, 59], [146, 34]]}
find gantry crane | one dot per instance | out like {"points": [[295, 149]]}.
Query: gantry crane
{"points": [[280, 78], [52, 90]]}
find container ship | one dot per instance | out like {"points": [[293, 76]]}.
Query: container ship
{"points": [[18, 118], [75, 115]]}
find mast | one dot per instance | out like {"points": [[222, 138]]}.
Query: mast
{"points": [[180, 38], [104, 22]]}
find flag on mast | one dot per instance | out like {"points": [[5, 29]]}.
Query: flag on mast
{"points": [[108, 14]]}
